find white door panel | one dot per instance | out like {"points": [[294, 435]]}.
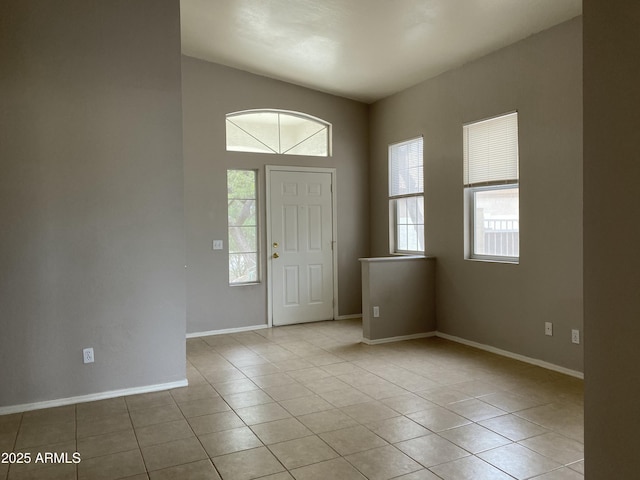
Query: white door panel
{"points": [[301, 243]]}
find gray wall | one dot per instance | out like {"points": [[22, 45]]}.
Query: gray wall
{"points": [[403, 288], [209, 92], [611, 238], [501, 305], [91, 198]]}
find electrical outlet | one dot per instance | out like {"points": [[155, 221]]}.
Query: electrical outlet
{"points": [[575, 336], [217, 244], [376, 311], [87, 355], [548, 328]]}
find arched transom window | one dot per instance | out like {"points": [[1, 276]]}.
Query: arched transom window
{"points": [[278, 132]]}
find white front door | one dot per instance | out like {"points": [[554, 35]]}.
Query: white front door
{"points": [[300, 246]]}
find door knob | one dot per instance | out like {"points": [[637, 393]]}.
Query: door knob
{"points": [[275, 255]]}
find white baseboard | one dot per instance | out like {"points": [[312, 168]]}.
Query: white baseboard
{"points": [[349, 317], [515, 356], [254, 327], [227, 330], [398, 339], [25, 407]]}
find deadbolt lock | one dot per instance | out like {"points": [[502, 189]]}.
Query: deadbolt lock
{"points": [[275, 245]]}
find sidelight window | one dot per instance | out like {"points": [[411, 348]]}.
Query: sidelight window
{"points": [[242, 212]]}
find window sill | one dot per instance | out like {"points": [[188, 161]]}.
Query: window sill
{"points": [[395, 258], [494, 260]]}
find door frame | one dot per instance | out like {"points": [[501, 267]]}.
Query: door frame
{"points": [[334, 226]]}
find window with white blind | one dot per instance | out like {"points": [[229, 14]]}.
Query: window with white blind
{"points": [[278, 132], [491, 188], [406, 197]]}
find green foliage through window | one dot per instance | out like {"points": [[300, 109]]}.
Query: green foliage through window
{"points": [[242, 211]]}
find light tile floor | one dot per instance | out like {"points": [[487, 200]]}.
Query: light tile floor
{"points": [[312, 402]]}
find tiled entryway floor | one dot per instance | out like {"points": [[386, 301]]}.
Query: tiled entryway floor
{"points": [[312, 402]]}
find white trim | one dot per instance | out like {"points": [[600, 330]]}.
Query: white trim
{"points": [[334, 214], [349, 317], [398, 339], [515, 356], [226, 330], [25, 407]]}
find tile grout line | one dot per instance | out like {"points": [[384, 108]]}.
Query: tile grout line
{"points": [[135, 434]]}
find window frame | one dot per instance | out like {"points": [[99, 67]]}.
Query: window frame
{"points": [[470, 191], [393, 202], [470, 201], [323, 124], [258, 230]]}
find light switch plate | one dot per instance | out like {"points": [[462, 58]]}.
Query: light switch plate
{"points": [[217, 244], [575, 336]]}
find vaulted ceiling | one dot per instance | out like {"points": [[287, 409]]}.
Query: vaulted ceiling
{"points": [[360, 49]]}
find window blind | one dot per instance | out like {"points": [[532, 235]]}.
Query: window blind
{"points": [[491, 151], [406, 175]]}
